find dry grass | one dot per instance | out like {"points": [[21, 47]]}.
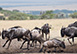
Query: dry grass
{"points": [[30, 24]]}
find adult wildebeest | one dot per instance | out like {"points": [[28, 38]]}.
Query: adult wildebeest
{"points": [[45, 29], [71, 32], [12, 28], [73, 24], [37, 35], [53, 43], [14, 33]]}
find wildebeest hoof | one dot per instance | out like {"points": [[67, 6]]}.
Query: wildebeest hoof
{"points": [[48, 51], [61, 51], [3, 46], [20, 47], [28, 49], [73, 44], [54, 51]]}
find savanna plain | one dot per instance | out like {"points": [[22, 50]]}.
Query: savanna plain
{"points": [[30, 24]]}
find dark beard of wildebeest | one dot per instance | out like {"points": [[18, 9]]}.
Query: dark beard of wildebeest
{"points": [[12, 35], [45, 29], [53, 43], [71, 32], [73, 24]]}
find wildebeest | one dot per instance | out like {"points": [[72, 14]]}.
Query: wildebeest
{"points": [[73, 24], [37, 35], [53, 43], [14, 33], [45, 29], [71, 32]]}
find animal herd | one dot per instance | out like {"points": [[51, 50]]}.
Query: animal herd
{"points": [[37, 35]]}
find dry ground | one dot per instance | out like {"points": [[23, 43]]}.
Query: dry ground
{"points": [[30, 24]]}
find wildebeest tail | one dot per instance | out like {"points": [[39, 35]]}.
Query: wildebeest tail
{"points": [[31, 35]]}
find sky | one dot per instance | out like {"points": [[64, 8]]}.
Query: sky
{"points": [[38, 4]]}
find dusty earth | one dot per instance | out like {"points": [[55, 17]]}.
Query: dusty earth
{"points": [[55, 33]]}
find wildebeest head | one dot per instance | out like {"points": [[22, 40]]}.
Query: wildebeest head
{"points": [[48, 26], [62, 31], [63, 45], [4, 33], [45, 28]]}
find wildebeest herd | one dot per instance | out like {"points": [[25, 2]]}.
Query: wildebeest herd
{"points": [[37, 35]]}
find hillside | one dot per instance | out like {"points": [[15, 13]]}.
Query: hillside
{"points": [[15, 15]]}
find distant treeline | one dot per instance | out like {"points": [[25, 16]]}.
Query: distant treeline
{"points": [[17, 15]]}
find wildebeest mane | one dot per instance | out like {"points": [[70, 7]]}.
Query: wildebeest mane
{"points": [[16, 27], [73, 24]]}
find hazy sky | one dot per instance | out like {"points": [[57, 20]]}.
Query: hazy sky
{"points": [[41, 1], [44, 3]]}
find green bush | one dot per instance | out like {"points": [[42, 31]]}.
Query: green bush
{"points": [[47, 15], [74, 15]]}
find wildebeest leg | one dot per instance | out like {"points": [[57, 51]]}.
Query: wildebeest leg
{"points": [[28, 45], [32, 44], [44, 49], [46, 36], [22, 44], [60, 49], [73, 40], [9, 44], [18, 39], [41, 49], [40, 44], [42, 34], [35, 43], [5, 43], [70, 38], [55, 49]]}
